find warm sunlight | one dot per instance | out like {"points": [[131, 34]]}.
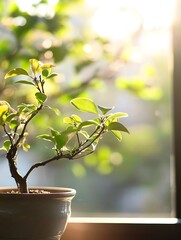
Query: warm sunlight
{"points": [[119, 19]]}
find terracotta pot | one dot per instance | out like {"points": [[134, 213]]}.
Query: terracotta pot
{"points": [[34, 216]]}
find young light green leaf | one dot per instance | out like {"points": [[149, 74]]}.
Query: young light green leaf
{"points": [[54, 132], [6, 145], [26, 147], [54, 109], [16, 72], [73, 120], [47, 65], [97, 120], [117, 115], [85, 105], [52, 75], [46, 137], [76, 118], [118, 127], [84, 133], [3, 108], [34, 65], [105, 110], [25, 82], [68, 120], [26, 107], [87, 124], [41, 97], [13, 124], [117, 134], [10, 116]]}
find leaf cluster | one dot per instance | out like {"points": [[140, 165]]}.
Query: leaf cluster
{"points": [[78, 139]]}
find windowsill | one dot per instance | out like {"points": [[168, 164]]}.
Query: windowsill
{"points": [[124, 220], [81, 228]]}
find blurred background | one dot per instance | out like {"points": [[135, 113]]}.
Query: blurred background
{"points": [[118, 53]]}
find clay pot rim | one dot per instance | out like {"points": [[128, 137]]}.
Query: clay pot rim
{"points": [[52, 192]]}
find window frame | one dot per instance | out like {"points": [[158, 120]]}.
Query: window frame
{"points": [[97, 230], [176, 36]]}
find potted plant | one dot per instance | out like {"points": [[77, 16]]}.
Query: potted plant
{"points": [[42, 213]]}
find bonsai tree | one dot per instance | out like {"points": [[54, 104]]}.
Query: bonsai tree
{"points": [[78, 139]]}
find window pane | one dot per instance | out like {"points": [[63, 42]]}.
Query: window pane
{"points": [[129, 57], [131, 178]]}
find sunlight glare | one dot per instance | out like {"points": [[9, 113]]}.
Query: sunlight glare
{"points": [[26, 5], [119, 19]]}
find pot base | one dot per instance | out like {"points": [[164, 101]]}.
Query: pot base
{"points": [[35, 216]]}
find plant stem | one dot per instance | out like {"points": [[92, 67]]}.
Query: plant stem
{"points": [[20, 181], [79, 150], [26, 123], [39, 164], [68, 156], [12, 155]]}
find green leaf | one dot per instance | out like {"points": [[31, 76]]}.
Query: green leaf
{"points": [[52, 75], [10, 116], [34, 65], [54, 132], [46, 137], [26, 147], [45, 72], [54, 109], [47, 66], [41, 97], [3, 109], [105, 110], [26, 107], [84, 133], [87, 124], [97, 120], [6, 145], [13, 124], [25, 82], [16, 72], [117, 115], [69, 130], [73, 120], [118, 127], [85, 105], [68, 120], [76, 118], [61, 140], [117, 134]]}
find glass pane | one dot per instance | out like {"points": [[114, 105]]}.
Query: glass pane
{"points": [[122, 49]]}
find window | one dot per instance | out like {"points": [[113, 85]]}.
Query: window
{"points": [[144, 230], [140, 78], [137, 70]]}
